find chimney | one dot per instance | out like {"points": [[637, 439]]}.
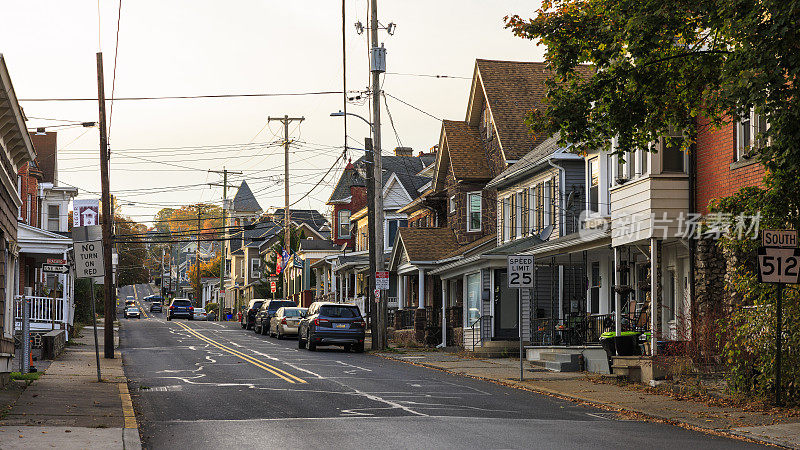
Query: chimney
{"points": [[403, 151]]}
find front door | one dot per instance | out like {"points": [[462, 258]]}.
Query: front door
{"points": [[506, 314]]}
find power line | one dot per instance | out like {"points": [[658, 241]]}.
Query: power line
{"points": [[184, 97], [429, 75], [412, 106]]}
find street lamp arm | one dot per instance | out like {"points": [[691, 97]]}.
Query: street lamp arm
{"points": [[342, 114]]}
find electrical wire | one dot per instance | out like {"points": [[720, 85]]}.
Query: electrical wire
{"points": [[184, 97]]}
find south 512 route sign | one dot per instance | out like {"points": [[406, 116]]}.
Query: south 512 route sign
{"points": [[778, 265]]}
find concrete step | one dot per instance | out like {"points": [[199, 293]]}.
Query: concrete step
{"points": [[573, 358], [557, 366]]}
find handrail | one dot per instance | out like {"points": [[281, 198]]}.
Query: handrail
{"points": [[479, 319]]}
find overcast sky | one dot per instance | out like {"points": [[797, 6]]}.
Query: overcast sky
{"points": [[202, 47]]}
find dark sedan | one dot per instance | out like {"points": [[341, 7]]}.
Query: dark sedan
{"points": [[248, 318], [265, 313], [332, 324]]}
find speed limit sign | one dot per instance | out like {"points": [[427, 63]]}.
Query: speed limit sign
{"points": [[778, 265], [520, 271]]}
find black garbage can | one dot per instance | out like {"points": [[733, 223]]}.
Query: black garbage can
{"points": [[627, 344]]}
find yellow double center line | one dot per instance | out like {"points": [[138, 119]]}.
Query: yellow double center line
{"points": [[268, 367]]}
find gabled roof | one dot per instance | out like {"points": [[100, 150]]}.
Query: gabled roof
{"points": [[263, 230], [350, 177], [244, 200], [401, 165], [15, 138], [513, 89], [317, 244], [310, 217], [464, 148]]}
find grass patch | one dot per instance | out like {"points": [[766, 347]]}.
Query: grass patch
{"points": [[26, 376]]}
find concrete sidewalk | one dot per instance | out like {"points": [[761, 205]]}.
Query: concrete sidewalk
{"points": [[774, 426], [68, 409]]}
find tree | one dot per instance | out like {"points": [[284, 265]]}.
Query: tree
{"points": [[208, 269], [132, 264], [270, 263], [660, 66]]}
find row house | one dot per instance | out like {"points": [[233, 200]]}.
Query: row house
{"points": [[343, 275], [43, 235], [16, 149], [488, 179]]}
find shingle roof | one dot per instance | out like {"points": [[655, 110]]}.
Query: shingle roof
{"points": [[244, 200], [513, 89], [466, 249], [528, 162], [401, 165], [465, 150], [349, 177], [318, 244], [311, 217], [412, 184], [427, 244], [262, 231]]}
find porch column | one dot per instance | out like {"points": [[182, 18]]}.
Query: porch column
{"points": [[401, 291], [653, 294], [421, 302], [346, 286], [326, 282], [333, 285], [617, 296], [445, 284]]}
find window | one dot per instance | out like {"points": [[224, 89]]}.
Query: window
{"points": [[622, 168], [255, 268], [505, 220], [28, 210], [53, 219], [594, 295], [548, 204], [452, 204], [475, 211], [642, 156], [594, 185], [531, 206], [19, 191], [539, 207], [554, 200], [393, 226], [344, 224], [524, 198], [514, 217], [473, 305], [227, 266], [748, 132], [672, 157]]}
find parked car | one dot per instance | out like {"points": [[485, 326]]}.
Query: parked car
{"points": [[200, 314], [180, 307], [154, 298], [156, 307], [329, 323], [267, 310], [131, 312], [248, 317], [285, 321]]}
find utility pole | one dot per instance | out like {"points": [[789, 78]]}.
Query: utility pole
{"points": [[287, 235], [110, 307], [197, 259], [377, 66], [371, 307], [223, 243]]}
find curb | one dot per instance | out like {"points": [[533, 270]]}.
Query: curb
{"points": [[729, 433]]}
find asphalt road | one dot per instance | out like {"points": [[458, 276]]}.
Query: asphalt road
{"points": [[213, 385]]}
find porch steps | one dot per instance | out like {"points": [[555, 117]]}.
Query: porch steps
{"points": [[559, 362]]}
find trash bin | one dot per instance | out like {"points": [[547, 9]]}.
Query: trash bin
{"points": [[607, 342], [229, 317], [627, 344]]}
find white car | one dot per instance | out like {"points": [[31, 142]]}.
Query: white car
{"points": [[200, 314], [132, 311]]}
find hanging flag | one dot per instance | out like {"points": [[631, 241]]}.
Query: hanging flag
{"points": [[284, 259], [278, 263]]}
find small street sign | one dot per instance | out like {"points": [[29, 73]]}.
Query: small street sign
{"points": [[273, 286], [779, 265], [520, 271], [382, 280], [377, 295], [55, 268], [89, 259], [779, 238], [56, 261]]}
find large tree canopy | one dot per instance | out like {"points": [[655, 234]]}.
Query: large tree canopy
{"points": [[662, 65]]}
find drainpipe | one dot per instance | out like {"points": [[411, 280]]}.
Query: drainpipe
{"points": [[692, 242]]}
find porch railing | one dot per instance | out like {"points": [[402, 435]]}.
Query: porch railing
{"points": [[577, 329], [401, 319], [479, 323], [43, 309]]}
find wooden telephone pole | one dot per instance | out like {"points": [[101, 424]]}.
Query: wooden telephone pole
{"points": [[108, 284], [287, 234], [223, 242]]}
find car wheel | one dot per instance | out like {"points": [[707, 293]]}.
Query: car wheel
{"points": [[301, 343], [311, 345], [169, 317], [241, 324], [359, 348], [278, 333], [347, 347], [264, 330]]}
